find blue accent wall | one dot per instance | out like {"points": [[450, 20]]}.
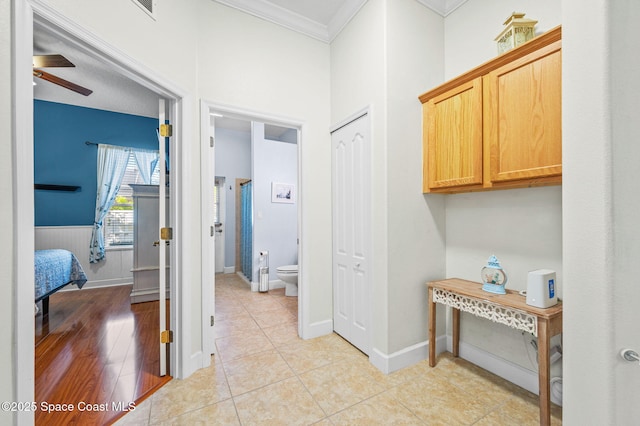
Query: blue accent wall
{"points": [[61, 156]]}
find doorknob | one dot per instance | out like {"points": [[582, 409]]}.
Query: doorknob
{"points": [[630, 355]]}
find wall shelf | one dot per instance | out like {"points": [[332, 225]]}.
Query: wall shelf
{"points": [[50, 187]]}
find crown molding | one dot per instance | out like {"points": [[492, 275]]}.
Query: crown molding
{"points": [[268, 11], [278, 15], [442, 7], [344, 15]]}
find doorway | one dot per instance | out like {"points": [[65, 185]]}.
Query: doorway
{"points": [[210, 112], [26, 14]]}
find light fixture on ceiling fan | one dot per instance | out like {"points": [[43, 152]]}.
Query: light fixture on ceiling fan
{"points": [[47, 61]]}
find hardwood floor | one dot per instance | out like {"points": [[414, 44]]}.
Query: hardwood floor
{"points": [[97, 353]]}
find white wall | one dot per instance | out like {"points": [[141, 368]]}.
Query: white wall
{"points": [[522, 227], [625, 87], [416, 223], [275, 225], [600, 194], [7, 250], [470, 31], [233, 161]]}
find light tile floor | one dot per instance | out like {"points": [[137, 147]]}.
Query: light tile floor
{"points": [[263, 373]]}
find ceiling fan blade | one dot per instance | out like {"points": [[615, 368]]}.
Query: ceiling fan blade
{"points": [[45, 61], [62, 82]]}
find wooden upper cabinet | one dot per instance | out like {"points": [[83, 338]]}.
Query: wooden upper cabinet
{"points": [[499, 125], [453, 124], [523, 119]]}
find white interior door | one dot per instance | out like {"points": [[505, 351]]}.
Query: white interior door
{"points": [[164, 239], [352, 281]]}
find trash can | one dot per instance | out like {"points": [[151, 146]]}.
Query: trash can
{"points": [[263, 285]]}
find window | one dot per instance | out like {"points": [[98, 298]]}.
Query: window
{"points": [[118, 224]]}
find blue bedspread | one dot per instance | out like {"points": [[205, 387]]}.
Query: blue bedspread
{"points": [[54, 269]]}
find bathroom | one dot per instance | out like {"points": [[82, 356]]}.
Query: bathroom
{"points": [[260, 160]]}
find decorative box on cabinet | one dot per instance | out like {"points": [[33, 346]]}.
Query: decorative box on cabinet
{"points": [[498, 125], [146, 255]]}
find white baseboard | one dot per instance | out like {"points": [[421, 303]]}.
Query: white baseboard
{"points": [[514, 373], [272, 285], [317, 329], [115, 282], [405, 357], [277, 284]]}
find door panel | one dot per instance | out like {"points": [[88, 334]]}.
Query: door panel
{"points": [[351, 181], [162, 215]]}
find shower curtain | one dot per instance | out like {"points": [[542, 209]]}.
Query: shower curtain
{"points": [[246, 238]]}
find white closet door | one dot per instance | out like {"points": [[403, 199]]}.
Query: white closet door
{"points": [[352, 282]]}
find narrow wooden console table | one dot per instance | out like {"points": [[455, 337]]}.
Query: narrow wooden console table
{"points": [[508, 309]]}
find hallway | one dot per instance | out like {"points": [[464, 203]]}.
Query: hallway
{"points": [[264, 374]]}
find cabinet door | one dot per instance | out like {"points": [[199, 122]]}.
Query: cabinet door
{"points": [[453, 143], [522, 119]]}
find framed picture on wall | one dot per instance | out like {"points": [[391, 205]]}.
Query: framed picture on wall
{"points": [[283, 193]]}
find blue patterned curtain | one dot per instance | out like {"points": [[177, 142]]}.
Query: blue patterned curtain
{"points": [[112, 163], [146, 160], [246, 239]]}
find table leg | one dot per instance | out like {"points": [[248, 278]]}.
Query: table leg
{"points": [[432, 330], [455, 314], [543, 371]]}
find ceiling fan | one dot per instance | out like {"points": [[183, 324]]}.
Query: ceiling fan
{"points": [[46, 61]]}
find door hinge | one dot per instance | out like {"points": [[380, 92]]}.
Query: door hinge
{"points": [[212, 321], [166, 233], [166, 130], [211, 141], [166, 336]]}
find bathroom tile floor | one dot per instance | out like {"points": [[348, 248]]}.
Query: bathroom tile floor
{"points": [[263, 373]]}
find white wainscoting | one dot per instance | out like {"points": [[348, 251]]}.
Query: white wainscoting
{"points": [[115, 269]]}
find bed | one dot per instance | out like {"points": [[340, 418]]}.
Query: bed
{"points": [[54, 269]]}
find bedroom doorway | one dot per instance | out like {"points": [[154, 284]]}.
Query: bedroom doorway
{"points": [[37, 14]]}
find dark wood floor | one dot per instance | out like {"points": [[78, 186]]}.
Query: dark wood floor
{"points": [[96, 351]]}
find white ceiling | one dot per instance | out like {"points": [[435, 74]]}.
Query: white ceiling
{"points": [[112, 91]]}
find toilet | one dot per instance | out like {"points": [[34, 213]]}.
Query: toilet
{"points": [[289, 274]]}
